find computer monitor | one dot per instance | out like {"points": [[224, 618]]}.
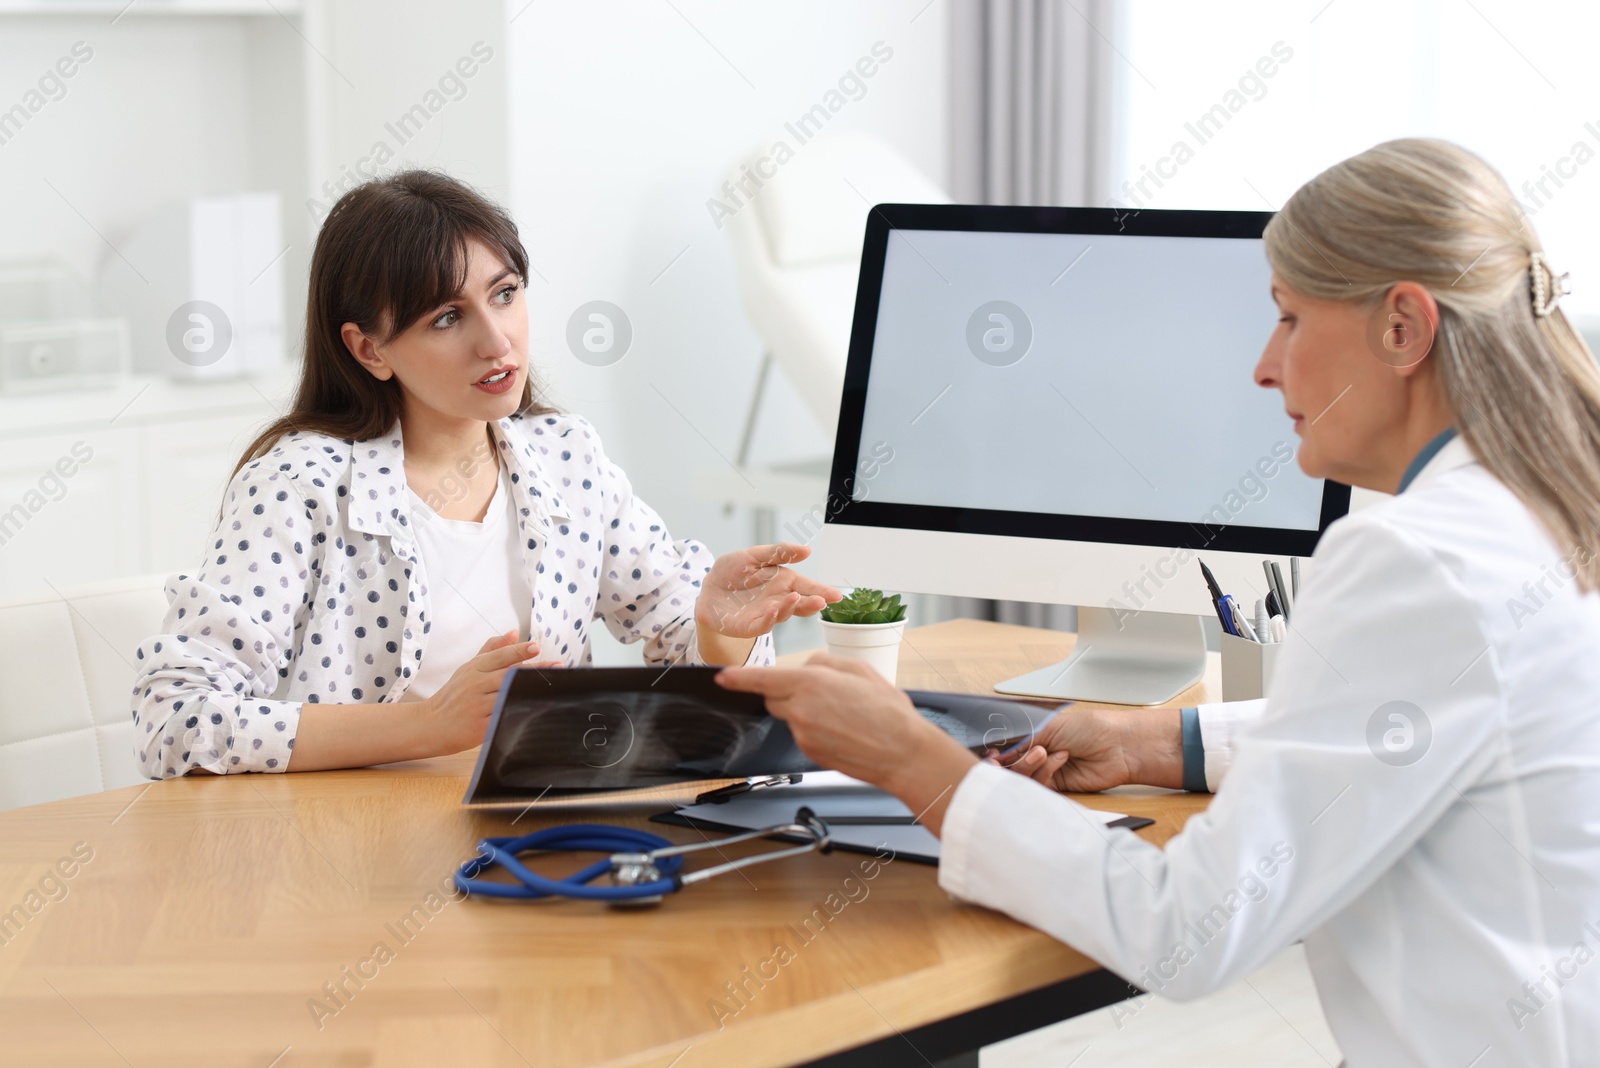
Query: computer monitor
{"points": [[1057, 404]]}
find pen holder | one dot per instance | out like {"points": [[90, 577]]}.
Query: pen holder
{"points": [[1247, 667]]}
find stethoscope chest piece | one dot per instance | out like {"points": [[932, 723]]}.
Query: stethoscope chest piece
{"points": [[635, 869]]}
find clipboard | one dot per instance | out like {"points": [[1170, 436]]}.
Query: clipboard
{"points": [[830, 793]]}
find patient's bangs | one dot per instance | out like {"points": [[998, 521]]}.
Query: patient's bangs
{"points": [[422, 263]]}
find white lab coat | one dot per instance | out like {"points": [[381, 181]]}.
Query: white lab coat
{"points": [[1449, 893], [1221, 725]]}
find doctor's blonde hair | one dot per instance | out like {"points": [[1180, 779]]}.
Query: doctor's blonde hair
{"points": [[1523, 389]]}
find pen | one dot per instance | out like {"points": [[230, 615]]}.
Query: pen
{"points": [[1294, 577], [1132, 822], [1280, 630], [1216, 595], [1263, 629], [1225, 614], [1272, 583], [1275, 583], [1283, 592], [1245, 630], [727, 793]]}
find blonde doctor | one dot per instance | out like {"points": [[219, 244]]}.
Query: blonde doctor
{"points": [[1418, 797]]}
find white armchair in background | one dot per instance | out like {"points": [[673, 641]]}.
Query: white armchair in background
{"points": [[797, 245], [66, 720]]}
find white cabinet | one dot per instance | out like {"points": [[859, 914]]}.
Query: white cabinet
{"points": [[65, 502], [100, 485]]}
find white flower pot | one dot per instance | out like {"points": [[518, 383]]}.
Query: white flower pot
{"points": [[876, 643]]}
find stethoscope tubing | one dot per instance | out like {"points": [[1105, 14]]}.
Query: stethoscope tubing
{"points": [[578, 837], [632, 851]]}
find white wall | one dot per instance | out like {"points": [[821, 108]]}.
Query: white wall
{"points": [[379, 60], [389, 55], [625, 117]]}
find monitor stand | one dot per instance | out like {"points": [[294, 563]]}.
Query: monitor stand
{"points": [[1123, 658]]}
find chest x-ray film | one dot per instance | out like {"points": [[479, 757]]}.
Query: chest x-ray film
{"points": [[564, 731]]}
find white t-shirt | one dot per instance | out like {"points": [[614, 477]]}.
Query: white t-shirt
{"points": [[477, 587]]}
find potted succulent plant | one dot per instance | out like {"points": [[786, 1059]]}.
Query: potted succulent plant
{"points": [[868, 626]]}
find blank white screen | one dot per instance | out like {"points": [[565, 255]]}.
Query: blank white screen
{"points": [[1134, 398]]}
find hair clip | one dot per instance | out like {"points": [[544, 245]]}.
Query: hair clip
{"points": [[1548, 287]]}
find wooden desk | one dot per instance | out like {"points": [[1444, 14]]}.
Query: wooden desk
{"points": [[214, 910]]}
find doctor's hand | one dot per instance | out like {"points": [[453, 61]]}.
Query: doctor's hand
{"points": [[847, 717], [747, 593], [1085, 750]]}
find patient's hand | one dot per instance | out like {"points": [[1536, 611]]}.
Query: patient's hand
{"points": [[749, 591], [1084, 750]]}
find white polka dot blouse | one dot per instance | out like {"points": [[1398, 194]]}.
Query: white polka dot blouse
{"points": [[312, 589]]}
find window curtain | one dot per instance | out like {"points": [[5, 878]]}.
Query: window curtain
{"points": [[1030, 118]]}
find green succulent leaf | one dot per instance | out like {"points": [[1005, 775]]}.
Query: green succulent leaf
{"points": [[865, 606]]}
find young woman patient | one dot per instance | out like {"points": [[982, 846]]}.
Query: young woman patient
{"points": [[418, 524]]}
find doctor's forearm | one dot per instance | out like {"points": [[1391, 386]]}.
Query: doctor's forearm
{"points": [[932, 766]]}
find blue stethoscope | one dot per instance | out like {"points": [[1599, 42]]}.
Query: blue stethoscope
{"points": [[644, 867]]}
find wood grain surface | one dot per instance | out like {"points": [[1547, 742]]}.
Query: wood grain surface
{"points": [[308, 920]]}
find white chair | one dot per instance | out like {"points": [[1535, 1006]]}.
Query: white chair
{"points": [[797, 247], [66, 682]]}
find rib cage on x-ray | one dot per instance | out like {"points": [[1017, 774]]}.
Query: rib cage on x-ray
{"points": [[596, 741], [584, 730]]}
